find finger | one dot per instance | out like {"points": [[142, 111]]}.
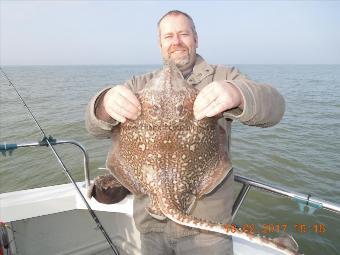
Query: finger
{"points": [[203, 106], [217, 107], [124, 112], [203, 102], [206, 96], [116, 116], [124, 107], [203, 113], [130, 96], [201, 99], [114, 101]]}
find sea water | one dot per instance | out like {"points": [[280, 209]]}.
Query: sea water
{"points": [[301, 153]]}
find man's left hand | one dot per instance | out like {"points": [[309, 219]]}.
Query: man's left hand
{"points": [[215, 98]]}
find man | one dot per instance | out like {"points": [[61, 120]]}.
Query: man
{"points": [[222, 90]]}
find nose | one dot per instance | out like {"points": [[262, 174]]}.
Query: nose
{"points": [[176, 40]]}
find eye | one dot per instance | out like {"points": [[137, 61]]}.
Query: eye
{"points": [[179, 110], [156, 108]]}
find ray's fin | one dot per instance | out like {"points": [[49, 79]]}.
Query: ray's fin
{"points": [[155, 213], [191, 201]]}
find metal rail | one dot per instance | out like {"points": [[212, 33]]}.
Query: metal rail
{"points": [[4, 147], [302, 199]]}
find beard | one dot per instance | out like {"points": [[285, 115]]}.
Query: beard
{"points": [[181, 61], [180, 55]]}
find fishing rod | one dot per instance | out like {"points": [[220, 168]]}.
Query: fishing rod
{"points": [[65, 170]]}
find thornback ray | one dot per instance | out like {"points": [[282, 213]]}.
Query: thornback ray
{"points": [[173, 158]]}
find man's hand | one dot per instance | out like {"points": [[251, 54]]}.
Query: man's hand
{"points": [[121, 104], [215, 98]]}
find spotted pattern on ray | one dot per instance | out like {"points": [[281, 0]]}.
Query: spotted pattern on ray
{"points": [[166, 153]]}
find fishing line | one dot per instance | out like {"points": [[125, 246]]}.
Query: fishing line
{"points": [[65, 170]]}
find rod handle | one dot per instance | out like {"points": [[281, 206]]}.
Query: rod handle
{"points": [[10, 147]]}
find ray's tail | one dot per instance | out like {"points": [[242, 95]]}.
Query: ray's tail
{"points": [[181, 218]]}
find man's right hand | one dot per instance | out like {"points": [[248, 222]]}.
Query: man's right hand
{"points": [[120, 103]]}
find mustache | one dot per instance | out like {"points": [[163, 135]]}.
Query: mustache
{"points": [[175, 48]]}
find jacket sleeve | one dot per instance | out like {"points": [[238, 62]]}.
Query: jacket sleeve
{"points": [[95, 126], [264, 106]]}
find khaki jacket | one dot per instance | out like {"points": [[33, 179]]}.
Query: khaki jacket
{"points": [[263, 107]]}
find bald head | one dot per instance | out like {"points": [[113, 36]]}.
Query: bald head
{"points": [[176, 13]]}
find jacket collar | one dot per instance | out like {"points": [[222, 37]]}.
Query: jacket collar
{"points": [[201, 70]]}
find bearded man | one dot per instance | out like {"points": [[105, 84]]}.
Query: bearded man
{"points": [[223, 91]]}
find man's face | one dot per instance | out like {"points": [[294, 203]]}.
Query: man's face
{"points": [[177, 41]]}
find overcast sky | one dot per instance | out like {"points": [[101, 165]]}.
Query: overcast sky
{"points": [[125, 32]]}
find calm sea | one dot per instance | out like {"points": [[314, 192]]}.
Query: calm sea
{"points": [[301, 153]]}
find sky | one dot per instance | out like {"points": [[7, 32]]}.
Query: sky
{"points": [[125, 32]]}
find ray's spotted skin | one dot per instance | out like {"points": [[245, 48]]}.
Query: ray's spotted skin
{"points": [[173, 158], [166, 153]]}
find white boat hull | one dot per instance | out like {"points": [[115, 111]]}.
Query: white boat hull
{"points": [[54, 220]]}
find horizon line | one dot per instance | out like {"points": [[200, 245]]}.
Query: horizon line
{"points": [[159, 64]]}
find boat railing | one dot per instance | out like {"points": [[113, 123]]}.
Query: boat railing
{"points": [[10, 147], [303, 200]]}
